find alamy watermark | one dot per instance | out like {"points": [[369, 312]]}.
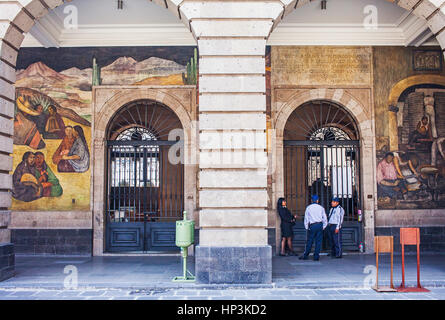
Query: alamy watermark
{"points": [[70, 282]]}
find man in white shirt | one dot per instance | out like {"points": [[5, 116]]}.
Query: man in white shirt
{"points": [[315, 222], [335, 221]]}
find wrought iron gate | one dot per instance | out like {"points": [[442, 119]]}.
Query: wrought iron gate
{"points": [[327, 169], [145, 196]]}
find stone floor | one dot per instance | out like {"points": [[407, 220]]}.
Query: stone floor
{"points": [[149, 277], [216, 294]]}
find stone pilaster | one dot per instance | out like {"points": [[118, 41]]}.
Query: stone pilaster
{"points": [[231, 39]]}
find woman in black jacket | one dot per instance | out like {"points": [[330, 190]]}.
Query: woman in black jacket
{"points": [[287, 221]]}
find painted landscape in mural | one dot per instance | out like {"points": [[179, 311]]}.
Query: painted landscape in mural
{"points": [[413, 177], [52, 128]]}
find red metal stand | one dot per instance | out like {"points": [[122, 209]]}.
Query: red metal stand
{"points": [[410, 236]]}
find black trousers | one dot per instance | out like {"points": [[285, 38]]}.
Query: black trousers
{"points": [[315, 234], [335, 239]]}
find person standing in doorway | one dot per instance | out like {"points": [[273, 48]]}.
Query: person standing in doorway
{"points": [[287, 222], [335, 221], [315, 222]]}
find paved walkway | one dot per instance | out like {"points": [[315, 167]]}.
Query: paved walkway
{"points": [[149, 277], [213, 294]]}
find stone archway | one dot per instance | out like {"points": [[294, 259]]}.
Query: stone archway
{"points": [[364, 120], [107, 101]]}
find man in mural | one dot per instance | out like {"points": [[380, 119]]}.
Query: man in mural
{"points": [[25, 130], [423, 131], [44, 174], [26, 187], [54, 127], [389, 183], [72, 155]]}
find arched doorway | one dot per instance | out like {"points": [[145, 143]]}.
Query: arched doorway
{"points": [[144, 178], [321, 157]]}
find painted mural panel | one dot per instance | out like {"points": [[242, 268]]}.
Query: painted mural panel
{"points": [[52, 122], [413, 176], [409, 110]]}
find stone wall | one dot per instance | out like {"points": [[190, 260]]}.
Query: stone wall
{"points": [[52, 232], [53, 241], [7, 261]]}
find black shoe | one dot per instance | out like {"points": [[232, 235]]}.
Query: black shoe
{"points": [[303, 257], [282, 255], [316, 259], [338, 257]]}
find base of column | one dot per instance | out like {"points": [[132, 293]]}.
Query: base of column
{"points": [[250, 264], [7, 261]]}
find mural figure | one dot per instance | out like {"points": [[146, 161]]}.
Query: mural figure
{"points": [[26, 187], [390, 184], [431, 113], [72, 155], [422, 132], [25, 129], [46, 177], [54, 127]]}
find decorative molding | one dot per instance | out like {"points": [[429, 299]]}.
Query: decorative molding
{"points": [[124, 35], [407, 30]]}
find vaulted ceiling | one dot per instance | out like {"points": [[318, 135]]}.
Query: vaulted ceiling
{"points": [[142, 22]]}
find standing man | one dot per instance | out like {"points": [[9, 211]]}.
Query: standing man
{"points": [[315, 222], [335, 220]]}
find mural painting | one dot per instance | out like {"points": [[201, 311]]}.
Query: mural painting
{"points": [[413, 177], [52, 121]]}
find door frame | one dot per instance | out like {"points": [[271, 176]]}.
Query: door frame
{"points": [[359, 103], [107, 100]]}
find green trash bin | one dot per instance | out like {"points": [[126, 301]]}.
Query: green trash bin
{"points": [[185, 237]]}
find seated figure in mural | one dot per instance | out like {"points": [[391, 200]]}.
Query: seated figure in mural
{"points": [[45, 176], [390, 184], [72, 155], [408, 166], [25, 186], [422, 132], [54, 127], [25, 129]]}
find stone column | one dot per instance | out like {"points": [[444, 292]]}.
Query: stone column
{"points": [[392, 128], [231, 38]]}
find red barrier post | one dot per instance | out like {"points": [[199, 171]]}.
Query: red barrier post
{"points": [[410, 236]]}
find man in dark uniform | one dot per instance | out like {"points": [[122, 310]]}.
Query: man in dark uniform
{"points": [[335, 221]]}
